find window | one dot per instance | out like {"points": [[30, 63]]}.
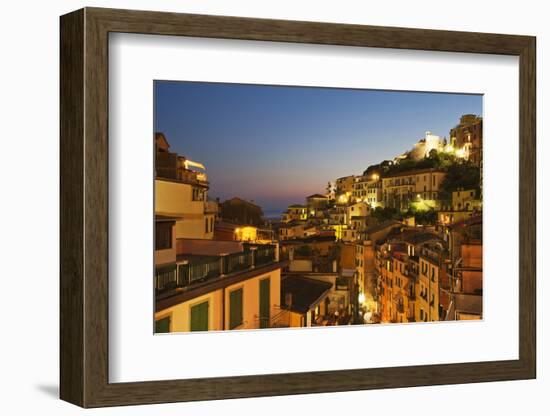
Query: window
{"points": [[433, 274], [163, 235], [206, 225], [235, 308], [198, 194], [199, 317], [162, 325]]}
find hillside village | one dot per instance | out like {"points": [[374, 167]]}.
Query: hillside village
{"points": [[399, 242]]}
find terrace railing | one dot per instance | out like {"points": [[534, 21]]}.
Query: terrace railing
{"points": [[191, 273], [236, 262], [264, 255], [200, 270]]}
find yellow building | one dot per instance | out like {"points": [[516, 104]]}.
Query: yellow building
{"points": [[316, 205], [295, 212], [418, 187], [181, 191], [386, 289], [366, 274], [357, 209], [368, 189], [296, 229], [465, 200], [344, 188], [428, 286], [400, 288], [467, 137], [464, 204], [186, 201], [240, 290]]}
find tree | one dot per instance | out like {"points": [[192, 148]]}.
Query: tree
{"points": [[329, 189], [242, 212], [386, 213], [422, 217], [460, 176]]}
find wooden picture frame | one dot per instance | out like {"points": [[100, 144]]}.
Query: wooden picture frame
{"points": [[84, 207]]}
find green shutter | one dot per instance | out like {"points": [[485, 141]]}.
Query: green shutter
{"points": [[235, 308], [264, 303], [199, 317], [162, 325]]}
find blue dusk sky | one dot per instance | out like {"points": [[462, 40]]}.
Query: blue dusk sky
{"points": [[276, 145]]}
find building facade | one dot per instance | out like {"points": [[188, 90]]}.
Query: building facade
{"points": [[467, 136], [239, 290], [419, 187]]}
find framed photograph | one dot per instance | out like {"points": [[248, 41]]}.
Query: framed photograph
{"points": [[255, 207]]}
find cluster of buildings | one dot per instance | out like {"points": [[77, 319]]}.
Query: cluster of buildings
{"points": [[329, 261], [402, 271]]}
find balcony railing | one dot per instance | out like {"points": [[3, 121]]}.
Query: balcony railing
{"points": [[238, 261], [201, 269], [264, 255], [192, 273]]}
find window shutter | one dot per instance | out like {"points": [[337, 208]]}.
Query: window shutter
{"points": [[199, 317], [235, 308], [162, 325], [264, 303]]}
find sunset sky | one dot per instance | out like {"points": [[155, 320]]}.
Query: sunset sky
{"points": [[276, 145]]}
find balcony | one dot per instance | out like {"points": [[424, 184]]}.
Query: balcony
{"points": [[200, 269], [210, 207]]}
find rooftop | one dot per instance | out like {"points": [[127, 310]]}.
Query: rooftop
{"points": [[416, 238], [318, 238], [381, 226], [467, 303], [167, 218], [306, 293], [473, 220], [201, 247]]}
